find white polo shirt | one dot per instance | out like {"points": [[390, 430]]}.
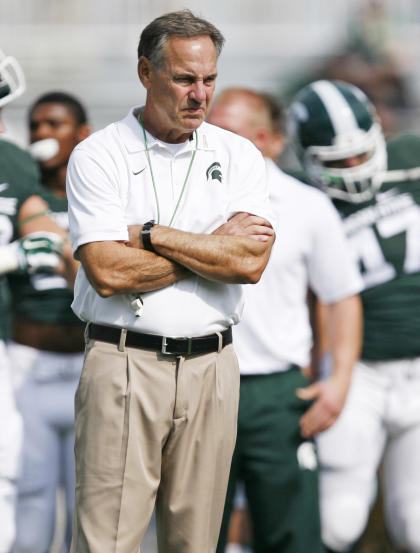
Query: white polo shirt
{"points": [[109, 186], [310, 250]]}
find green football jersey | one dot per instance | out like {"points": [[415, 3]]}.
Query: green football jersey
{"points": [[41, 297], [384, 234], [19, 179]]}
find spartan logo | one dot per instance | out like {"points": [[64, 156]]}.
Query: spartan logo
{"points": [[214, 172]]}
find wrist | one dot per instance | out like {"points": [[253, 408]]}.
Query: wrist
{"points": [[9, 258], [146, 236], [341, 377]]}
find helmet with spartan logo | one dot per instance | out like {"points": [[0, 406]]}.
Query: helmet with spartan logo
{"points": [[339, 140]]}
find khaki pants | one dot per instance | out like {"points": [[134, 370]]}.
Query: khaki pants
{"points": [[153, 429]]}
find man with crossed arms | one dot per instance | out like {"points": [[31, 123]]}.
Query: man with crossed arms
{"points": [[157, 401]]}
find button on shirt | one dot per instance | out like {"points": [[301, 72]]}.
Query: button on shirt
{"points": [[109, 186], [311, 250]]}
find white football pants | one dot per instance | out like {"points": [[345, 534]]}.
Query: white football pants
{"points": [[45, 385], [380, 422], [10, 449]]}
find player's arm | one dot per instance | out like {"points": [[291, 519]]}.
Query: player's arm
{"points": [[44, 244], [34, 217], [38, 249], [340, 333], [112, 268]]}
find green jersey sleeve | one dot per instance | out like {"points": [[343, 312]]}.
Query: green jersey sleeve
{"points": [[19, 179]]}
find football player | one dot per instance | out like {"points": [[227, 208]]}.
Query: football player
{"points": [[376, 188], [22, 212], [47, 341]]}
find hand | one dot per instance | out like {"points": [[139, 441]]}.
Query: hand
{"points": [[245, 224], [134, 236], [330, 396], [39, 252]]}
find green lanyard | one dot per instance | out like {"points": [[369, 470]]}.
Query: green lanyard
{"points": [[153, 178]]}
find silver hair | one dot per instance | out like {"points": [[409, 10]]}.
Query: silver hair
{"points": [[181, 23]]}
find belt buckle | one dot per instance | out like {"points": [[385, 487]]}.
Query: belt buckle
{"points": [[165, 345]]}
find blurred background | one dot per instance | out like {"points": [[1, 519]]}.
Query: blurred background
{"points": [[88, 48]]}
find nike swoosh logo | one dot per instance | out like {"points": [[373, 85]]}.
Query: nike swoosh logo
{"points": [[138, 172], [4, 186]]}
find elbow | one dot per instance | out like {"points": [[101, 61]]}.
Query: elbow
{"points": [[251, 271], [252, 277], [100, 263], [255, 277], [253, 266], [104, 292], [103, 284]]}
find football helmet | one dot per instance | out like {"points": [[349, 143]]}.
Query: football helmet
{"points": [[339, 140], [12, 79]]}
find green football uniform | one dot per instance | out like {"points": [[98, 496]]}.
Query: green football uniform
{"points": [[384, 234], [41, 297], [19, 179]]}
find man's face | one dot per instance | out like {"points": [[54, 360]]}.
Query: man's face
{"points": [[349, 162], [244, 115], [179, 94], [53, 120]]}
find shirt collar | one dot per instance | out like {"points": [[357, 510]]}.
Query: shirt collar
{"points": [[132, 137]]}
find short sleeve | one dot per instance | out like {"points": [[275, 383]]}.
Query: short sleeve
{"points": [[96, 210], [333, 273], [250, 192]]}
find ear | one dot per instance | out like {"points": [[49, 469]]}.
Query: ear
{"points": [[277, 144], [145, 70], [83, 131], [270, 144], [261, 139]]}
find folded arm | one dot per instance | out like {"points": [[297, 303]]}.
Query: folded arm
{"points": [[223, 258], [113, 268]]}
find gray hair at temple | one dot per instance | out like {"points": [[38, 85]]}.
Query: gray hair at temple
{"points": [[181, 23]]}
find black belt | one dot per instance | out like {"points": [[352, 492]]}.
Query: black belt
{"points": [[171, 346]]}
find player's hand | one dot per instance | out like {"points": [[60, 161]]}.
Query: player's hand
{"points": [[329, 397], [39, 252], [245, 224]]}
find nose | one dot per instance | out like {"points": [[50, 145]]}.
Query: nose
{"points": [[352, 161], [198, 92]]}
